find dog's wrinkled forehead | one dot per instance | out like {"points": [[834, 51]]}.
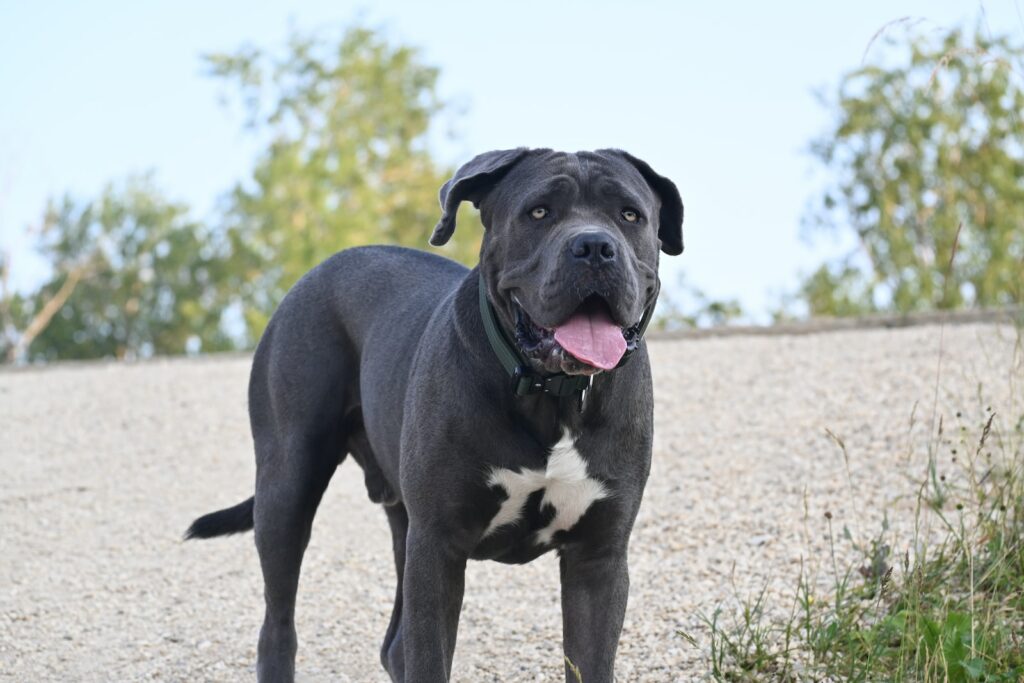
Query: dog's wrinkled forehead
{"points": [[498, 182], [587, 175]]}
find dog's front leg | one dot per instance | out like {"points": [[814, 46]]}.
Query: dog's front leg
{"points": [[432, 592], [594, 592]]}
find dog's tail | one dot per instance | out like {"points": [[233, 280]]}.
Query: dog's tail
{"points": [[232, 520]]}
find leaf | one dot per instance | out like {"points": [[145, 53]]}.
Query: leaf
{"points": [[974, 668]]}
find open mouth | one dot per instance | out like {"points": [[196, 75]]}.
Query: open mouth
{"points": [[586, 343]]}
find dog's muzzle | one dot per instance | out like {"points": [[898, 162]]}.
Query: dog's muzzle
{"points": [[585, 344]]}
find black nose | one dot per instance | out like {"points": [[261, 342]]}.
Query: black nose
{"points": [[593, 247]]}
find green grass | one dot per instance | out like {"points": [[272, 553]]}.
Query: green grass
{"points": [[946, 605]]}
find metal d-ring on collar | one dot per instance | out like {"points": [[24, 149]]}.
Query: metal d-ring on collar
{"points": [[525, 381]]}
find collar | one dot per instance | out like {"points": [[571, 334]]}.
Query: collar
{"points": [[524, 380]]}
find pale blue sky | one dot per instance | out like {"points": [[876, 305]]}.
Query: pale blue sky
{"points": [[718, 96]]}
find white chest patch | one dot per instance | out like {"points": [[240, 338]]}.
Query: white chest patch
{"points": [[567, 488]]}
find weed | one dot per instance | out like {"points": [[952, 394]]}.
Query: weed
{"points": [[948, 607]]}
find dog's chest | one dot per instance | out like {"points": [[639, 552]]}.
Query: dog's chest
{"points": [[537, 504]]}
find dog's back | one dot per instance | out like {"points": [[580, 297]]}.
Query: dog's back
{"points": [[359, 314]]}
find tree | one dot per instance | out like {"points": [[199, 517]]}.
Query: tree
{"points": [[928, 166], [133, 276], [346, 160], [687, 306]]}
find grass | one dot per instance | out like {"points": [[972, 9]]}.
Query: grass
{"points": [[946, 605]]}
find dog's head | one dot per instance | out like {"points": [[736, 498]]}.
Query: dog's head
{"points": [[570, 253]]}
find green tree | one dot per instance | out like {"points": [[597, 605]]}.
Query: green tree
{"points": [[134, 276], [687, 306], [927, 158], [346, 160]]}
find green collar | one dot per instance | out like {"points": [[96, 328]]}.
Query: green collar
{"points": [[524, 380]]}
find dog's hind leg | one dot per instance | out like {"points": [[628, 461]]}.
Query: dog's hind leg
{"points": [[298, 429], [391, 652], [380, 491], [284, 510], [284, 513]]}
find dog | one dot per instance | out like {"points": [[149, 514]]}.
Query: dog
{"points": [[498, 412]]}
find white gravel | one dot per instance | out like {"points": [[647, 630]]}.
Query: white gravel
{"points": [[104, 465]]}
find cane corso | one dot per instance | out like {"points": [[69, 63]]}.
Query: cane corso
{"points": [[498, 413]]}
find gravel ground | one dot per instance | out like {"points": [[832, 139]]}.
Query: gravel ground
{"points": [[104, 465]]}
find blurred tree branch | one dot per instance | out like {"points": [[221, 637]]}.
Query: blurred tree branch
{"points": [[38, 323]]}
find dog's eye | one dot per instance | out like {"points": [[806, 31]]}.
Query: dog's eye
{"points": [[630, 215], [538, 212]]}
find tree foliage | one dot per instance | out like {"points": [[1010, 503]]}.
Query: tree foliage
{"points": [[344, 127], [145, 278], [927, 162], [688, 306], [346, 160]]}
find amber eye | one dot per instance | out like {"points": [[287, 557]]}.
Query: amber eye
{"points": [[538, 212], [630, 215]]}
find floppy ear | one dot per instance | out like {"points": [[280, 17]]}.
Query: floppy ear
{"points": [[670, 218], [471, 183]]}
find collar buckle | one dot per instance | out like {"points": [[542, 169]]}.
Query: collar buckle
{"points": [[525, 382]]}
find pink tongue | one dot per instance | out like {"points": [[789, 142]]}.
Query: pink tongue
{"points": [[593, 338]]}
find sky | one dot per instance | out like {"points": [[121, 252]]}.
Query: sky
{"points": [[717, 96]]}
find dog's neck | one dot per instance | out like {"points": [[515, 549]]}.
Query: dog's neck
{"points": [[543, 414]]}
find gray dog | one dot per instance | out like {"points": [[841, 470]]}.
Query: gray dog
{"points": [[497, 413]]}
